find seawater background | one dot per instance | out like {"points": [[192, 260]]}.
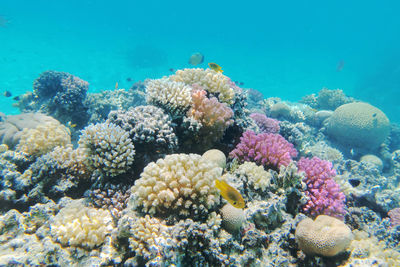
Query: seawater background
{"points": [[282, 48]]}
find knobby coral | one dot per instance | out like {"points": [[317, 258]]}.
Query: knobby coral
{"points": [[269, 150], [324, 193]]}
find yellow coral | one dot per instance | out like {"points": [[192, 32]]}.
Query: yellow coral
{"points": [[77, 225], [180, 183], [212, 81], [73, 160], [43, 138]]}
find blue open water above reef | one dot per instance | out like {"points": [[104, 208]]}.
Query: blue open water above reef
{"points": [[206, 133]]}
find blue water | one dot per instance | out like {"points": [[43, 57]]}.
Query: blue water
{"points": [[281, 48]]}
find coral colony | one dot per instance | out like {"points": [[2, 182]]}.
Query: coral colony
{"points": [[192, 170]]}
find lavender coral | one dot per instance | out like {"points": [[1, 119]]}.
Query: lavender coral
{"points": [[324, 193], [394, 215], [266, 125], [267, 149]]}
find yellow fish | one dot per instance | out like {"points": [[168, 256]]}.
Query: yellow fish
{"points": [[215, 67], [230, 194]]}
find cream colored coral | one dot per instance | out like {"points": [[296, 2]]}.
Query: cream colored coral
{"points": [[172, 95], [74, 160], [147, 236], [256, 175], [43, 138], [216, 156], [326, 236], [3, 148], [232, 218], [181, 184], [212, 81], [77, 225]]}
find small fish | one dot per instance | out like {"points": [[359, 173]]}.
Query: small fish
{"points": [[116, 86], [129, 79], [71, 125], [16, 98], [340, 66], [215, 67], [374, 115], [196, 59], [230, 194], [172, 70], [7, 94]]}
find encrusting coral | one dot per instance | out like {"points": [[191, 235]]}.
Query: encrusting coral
{"points": [[108, 148], [180, 184]]}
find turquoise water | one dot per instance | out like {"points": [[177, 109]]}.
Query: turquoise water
{"points": [[286, 49]]}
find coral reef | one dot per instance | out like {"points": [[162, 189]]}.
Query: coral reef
{"points": [[324, 193], [179, 184], [108, 148], [266, 125], [327, 99], [359, 125], [326, 236], [270, 150], [232, 218], [394, 215]]}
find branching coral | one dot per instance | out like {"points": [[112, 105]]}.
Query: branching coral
{"points": [[179, 184], [269, 150], [43, 138], [212, 81], [324, 193], [77, 225], [108, 148], [266, 125], [256, 175], [174, 97]]}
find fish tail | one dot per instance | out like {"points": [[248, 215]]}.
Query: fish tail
{"points": [[218, 184]]}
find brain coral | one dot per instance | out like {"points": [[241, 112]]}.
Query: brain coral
{"points": [[173, 96], [108, 148], [326, 236], [180, 184], [147, 125], [232, 218], [212, 81], [77, 225], [43, 138], [359, 124]]}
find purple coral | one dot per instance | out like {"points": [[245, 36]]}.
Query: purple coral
{"points": [[266, 125], [394, 215], [267, 149], [324, 193]]}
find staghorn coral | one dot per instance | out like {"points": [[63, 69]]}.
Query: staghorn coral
{"points": [[269, 150], [324, 193], [172, 96], [214, 116], [43, 138], [266, 125], [108, 148], [148, 126], [77, 225], [179, 184], [326, 236], [213, 82]]}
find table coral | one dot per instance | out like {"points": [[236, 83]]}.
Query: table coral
{"points": [[179, 184], [108, 147], [269, 150], [324, 193]]}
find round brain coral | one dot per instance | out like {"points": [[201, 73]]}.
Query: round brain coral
{"points": [[108, 148], [326, 236], [359, 125], [178, 184]]}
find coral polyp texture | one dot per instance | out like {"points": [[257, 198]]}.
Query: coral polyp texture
{"points": [[269, 150], [214, 116], [213, 82], [173, 96], [324, 193], [181, 184], [80, 226], [326, 236], [266, 125], [43, 138], [108, 148]]}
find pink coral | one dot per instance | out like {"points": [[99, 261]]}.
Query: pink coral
{"points": [[394, 215], [209, 112], [267, 149], [266, 125], [324, 193]]}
